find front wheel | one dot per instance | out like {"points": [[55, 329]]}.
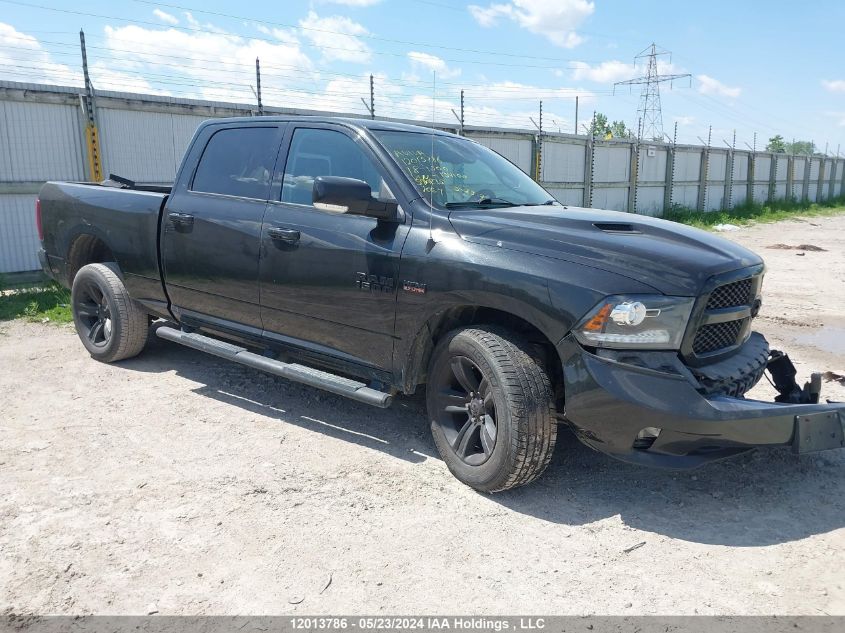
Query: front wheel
{"points": [[491, 408], [110, 324]]}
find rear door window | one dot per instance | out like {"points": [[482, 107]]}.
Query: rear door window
{"points": [[238, 162]]}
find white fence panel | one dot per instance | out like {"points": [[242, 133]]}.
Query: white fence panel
{"points": [[145, 146], [652, 168], [18, 235], [687, 165], [715, 198], [739, 194], [569, 197], [615, 199], [650, 201], [685, 196], [563, 162], [516, 150], [612, 163], [41, 141], [717, 165], [782, 168], [740, 168], [762, 167]]}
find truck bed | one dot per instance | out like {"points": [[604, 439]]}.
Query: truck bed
{"points": [[125, 219]]}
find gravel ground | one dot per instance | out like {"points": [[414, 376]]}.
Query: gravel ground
{"points": [[181, 484]]}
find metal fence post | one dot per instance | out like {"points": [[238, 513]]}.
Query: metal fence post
{"points": [[702, 178], [634, 176], [92, 134], [805, 189], [790, 177], [727, 199], [669, 187], [820, 195], [750, 175], [842, 184], [535, 158], [589, 166], [773, 178]]}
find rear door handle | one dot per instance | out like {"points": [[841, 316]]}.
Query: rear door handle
{"points": [[288, 236], [181, 219]]}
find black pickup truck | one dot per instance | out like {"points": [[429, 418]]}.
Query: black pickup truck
{"points": [[369, 258]]}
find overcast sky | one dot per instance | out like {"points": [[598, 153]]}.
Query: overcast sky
{"points": [[770, 67]]}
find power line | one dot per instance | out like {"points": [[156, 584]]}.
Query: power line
{"points": [[264, 39], [289, 68], [359, 36]]}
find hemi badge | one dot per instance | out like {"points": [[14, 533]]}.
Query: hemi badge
{"points": [[413, 286]]}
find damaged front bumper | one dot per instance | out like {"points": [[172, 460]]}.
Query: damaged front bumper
{"points": [[648, 408]]}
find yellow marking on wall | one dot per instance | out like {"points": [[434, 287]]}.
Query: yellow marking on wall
{"points": [[95, 165]]}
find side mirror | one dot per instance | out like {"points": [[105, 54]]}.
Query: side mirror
{"points": [[350, 195]]}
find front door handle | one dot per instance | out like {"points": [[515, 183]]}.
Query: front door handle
{"points": [[288, 236], [181, 219]]}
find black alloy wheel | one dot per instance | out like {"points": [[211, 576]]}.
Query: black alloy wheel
{"points": [[467, 411], [491, 408], [94, 313]]}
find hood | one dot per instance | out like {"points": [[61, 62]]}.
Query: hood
{"points": [[672, 258]]}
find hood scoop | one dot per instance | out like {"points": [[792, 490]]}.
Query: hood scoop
{"points": [[615, 227]]}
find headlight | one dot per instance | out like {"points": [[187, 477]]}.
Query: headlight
{"points": [[640, 321]]}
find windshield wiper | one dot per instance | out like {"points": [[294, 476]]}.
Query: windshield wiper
{"points": [[484, 202], [547, 203]]}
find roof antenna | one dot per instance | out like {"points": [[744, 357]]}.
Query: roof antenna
{"points": [[431, 241]]}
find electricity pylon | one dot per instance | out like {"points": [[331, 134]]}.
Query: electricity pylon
{"points": [[649, 110]]}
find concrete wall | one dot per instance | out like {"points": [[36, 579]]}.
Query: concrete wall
{"points": [[143, 137]]}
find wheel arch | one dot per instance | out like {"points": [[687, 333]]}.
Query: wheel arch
{"points": [[87, 247], [415, 368]]}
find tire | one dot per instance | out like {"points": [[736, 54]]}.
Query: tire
{"points": [[110, 324], [737, 374], [491, 408]]}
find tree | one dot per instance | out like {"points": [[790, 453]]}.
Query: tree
{"points": [[776, 144], [618, 129], [801, 147], [599, 127]]}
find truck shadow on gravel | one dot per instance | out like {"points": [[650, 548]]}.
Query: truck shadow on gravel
{"points": [[758, 499]]}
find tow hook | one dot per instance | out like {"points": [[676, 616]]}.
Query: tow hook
{"points": [[783, 374]]}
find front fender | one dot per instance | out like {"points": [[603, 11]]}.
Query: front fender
{"points": [[443, 275]]}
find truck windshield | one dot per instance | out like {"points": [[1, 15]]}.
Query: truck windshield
{"points": [[453, 172]]}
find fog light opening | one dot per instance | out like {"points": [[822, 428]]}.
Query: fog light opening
{"points": [[645, 438]]}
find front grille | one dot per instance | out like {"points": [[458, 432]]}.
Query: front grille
{"points": [[731, 295], [723, 317], [716, 336]]}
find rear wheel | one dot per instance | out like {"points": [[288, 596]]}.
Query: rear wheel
{"points": [[110, 324], [491, 408]]}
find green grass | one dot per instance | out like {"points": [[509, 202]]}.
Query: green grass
{"points": [[753, 213], [36, 303]]}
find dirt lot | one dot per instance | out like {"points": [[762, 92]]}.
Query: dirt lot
{"points": [[179, 483]]}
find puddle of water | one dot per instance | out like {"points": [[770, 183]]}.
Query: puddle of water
{"points": [[830, 339]]}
